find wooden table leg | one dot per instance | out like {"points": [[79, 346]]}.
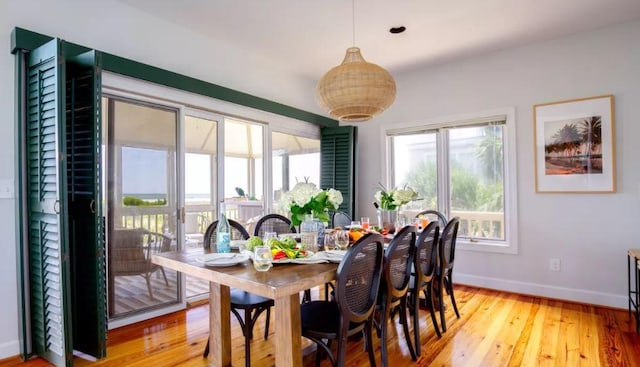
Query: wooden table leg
{"points": [[288, 331], [219, 325]]}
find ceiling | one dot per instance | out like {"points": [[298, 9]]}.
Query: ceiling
{"points": [[308, 37]]}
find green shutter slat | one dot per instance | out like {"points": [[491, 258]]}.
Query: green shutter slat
{"points": [[337, 163], [48, 277]]}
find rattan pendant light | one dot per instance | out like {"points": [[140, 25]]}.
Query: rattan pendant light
{"points": [[356, 90]]}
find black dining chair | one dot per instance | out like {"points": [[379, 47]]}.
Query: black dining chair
{"points": [[351, 311], [444, 271], [425, 262], [273, 223], [433, 215], [396, 273], [251, 304]]}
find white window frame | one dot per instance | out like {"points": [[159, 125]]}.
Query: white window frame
{"points": [[510, 243]]}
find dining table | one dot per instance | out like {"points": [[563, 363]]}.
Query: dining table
{"points": [[282, 283]]}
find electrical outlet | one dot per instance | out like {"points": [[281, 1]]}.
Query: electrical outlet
{"points": [[554, 264], [6, 189]]}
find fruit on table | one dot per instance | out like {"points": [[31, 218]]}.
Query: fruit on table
{"points": [[254, 242], [355, 234]]}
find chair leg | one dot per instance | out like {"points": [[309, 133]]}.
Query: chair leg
{"points": [[440, 295], [405, 326], [165, 276], [449, 285], [384, 324], [248, 335], [147, 277], [266, 325], [429, 297], [368, 330], [415, 308], [206, 349]]}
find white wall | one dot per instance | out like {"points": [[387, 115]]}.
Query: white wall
{"points": [[590, 233], [112, 27]]}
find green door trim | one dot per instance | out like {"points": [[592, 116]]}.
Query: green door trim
{"points": [[28, 40]]}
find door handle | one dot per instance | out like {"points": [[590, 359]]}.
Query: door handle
{"points": [[91, 206]]}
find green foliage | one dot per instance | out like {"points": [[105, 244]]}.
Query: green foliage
{"points": [[423, 180], [134, 201], [239, 191]]}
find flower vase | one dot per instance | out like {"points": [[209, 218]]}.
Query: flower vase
{"points": [[387, 219]]}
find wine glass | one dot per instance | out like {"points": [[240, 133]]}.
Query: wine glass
{"points": [[342, 239], [262, 258], [329, 241]]}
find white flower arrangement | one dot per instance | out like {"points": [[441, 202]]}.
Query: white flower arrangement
{"points": [[306, 198], [390, 200]]}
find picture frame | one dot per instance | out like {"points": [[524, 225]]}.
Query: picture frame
{"points": [[574, 143]]}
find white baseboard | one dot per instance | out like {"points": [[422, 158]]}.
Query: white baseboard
{"points": [[9, 349], [544, 290]]}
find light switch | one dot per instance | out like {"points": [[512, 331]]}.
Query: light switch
{"points": [[6, 188]]}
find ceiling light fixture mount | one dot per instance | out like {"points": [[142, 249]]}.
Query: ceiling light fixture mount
{"points": [[356, 90]]}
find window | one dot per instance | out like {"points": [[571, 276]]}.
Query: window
{"points": [[465, 169], [294, 159]]}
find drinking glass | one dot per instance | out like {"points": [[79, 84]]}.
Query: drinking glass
{"points": [[329, 241], [342, 239], [355, 224], [364, 221], [262, 258], [268, 236], [400, 223]]}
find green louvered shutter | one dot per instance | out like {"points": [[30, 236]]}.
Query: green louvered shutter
{"points": [[86, 239], [48, 251], [337, 163]]}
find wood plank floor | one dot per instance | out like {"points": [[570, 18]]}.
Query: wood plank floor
{"points": [[495, 329]]}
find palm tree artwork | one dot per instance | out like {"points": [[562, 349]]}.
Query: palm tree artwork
{"points": [[573, 146]]}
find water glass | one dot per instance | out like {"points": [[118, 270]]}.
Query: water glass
{"points": [[364, 221], [262, 258], [329, 241], [268, 236], [342, 239], [355, 224]]}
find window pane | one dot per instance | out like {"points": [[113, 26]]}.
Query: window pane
{"points": [[476, 179], [236, 175], [414, 164], [197, 178], [294, 159]]}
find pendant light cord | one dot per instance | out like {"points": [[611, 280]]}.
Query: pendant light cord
{"points": [[353, 14]]}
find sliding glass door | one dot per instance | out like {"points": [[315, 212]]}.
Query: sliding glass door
{"points": [[142, 201]]}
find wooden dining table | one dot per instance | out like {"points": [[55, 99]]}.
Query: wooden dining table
{"points": [[283, 283]]}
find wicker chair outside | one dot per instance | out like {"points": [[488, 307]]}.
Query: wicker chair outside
{"points": [[131, 251], [351, 312], [444, 271], [252, 304], [273, 223], [398, 260], [340, 219], [425, 262]]}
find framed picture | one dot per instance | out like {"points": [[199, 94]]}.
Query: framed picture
{"points": [[575, 146]]}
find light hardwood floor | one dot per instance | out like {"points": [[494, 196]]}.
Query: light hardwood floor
{"points": [[495, 329]]}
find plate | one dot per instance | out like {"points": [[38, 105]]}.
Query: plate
{"points": [[311, 258], [222, 259], [236, 243], [334, 256]]}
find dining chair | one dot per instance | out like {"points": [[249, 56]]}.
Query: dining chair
{"points": [[351, 310], [238, 232], [273, 223], [433, 215], [444, 271], [340, 219], [131, 250], [425, 262], [396, 273], [253, 305]]}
